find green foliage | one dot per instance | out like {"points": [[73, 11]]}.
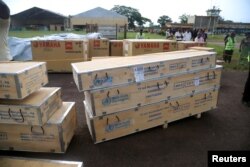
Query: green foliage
{"points": [[184, 18], [163, 20], [133, 15]]}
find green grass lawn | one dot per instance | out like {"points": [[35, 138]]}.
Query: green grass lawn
{"points": [[212, 39]]}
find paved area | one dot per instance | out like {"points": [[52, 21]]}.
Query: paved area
{"points": [[183, 143]]}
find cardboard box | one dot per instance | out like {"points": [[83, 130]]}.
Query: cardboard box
{"points": [[113, 99], [134, 47], [59, 49], [33, 162], [36, 109], [20, 79], [117, 71], [54, 136], [111, 126], [183, 45], [202, 48], [116, 48], [98, 47], [61, 66]]}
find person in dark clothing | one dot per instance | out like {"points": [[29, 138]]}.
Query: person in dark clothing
{"points": [[245, 51]]}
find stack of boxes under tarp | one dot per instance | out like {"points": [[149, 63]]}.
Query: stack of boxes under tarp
{"points": [[33, 117], [130, 94]]}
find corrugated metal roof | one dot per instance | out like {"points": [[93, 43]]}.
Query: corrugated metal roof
{"points": [[99, 12]]}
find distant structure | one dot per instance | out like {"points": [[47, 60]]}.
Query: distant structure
{"points": [[208, 22], [212, 23], [99, 20], [39, 19]]}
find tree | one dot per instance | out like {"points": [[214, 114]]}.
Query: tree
{"points": [[184, 18], [133, 15], [163, 20]]}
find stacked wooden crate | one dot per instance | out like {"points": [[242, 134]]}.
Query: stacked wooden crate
{"points": [[130, 94], [33, 117]]}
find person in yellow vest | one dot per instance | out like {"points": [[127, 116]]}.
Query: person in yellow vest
{"points": [[229, 48], [4, 29], [245, 51]]}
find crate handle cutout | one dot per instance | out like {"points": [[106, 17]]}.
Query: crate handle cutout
{"points": [[208, 75], [101, 80], [165, 82], [175, 107], [17, 120], [153, 67], [118, 119], [117, 90], [42, 133], [206, 96]]}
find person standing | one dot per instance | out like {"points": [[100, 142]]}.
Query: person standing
{"points": [[229, 48], [178, 35], [140, 35], [4, 29], [245, 53]]}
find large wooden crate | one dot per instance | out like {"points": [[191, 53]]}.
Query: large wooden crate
{"points": [[115, 47], [183, 45], [111, 126], [98, 47], [134, 47], [113, 99], [33, 162], [43, 50], [54, 136], [111, 72], [62, 65], [35, 109], [202, 48], [20, 79]]}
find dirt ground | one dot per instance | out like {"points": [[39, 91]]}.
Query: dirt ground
{"points": [[183, 143]]}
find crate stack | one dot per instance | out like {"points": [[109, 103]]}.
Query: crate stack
{"points": [[131, 94], [33, 117]]}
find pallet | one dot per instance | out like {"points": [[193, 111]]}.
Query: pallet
{"points": [[111, 126], [111, 72], [20, 79], [36, 109], [113, 99], [54, 136]]}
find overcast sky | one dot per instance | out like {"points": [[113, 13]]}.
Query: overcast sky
{"points": [[236, 10]]}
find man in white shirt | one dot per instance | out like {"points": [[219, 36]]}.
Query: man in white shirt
{"points": [[187, 36], [178, 35], [4, 29]]}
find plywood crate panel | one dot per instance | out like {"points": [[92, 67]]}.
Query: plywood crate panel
{"points": [[20, 79], [202, 48], [33, 162], [54, 136], [134, 47], [113, 99], [35, 109], [111, 72], [111, 126], [59, 49], [98, 47], [116, 47], [61, 66], [183, 45]]}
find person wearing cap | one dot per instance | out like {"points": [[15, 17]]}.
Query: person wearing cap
{"points": [[229, 48], [245, 52], [4, 29]]}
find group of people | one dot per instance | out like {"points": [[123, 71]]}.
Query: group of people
{"points": [[187, 35]]}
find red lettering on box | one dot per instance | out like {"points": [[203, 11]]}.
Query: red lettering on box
{"points": [[165, 46], [96, 43], [68, 45]]}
